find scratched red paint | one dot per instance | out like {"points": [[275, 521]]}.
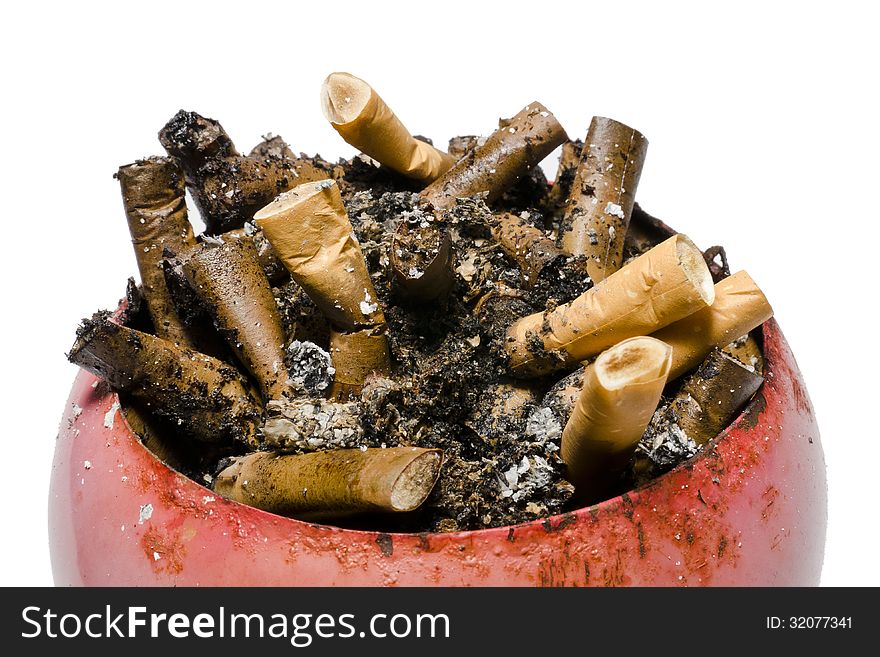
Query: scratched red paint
{"points": [[749, 510]]}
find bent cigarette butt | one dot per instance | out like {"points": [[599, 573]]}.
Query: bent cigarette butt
{"points": [[204, 397], [310, 231], [710, 398], [362, 118], [234, 290], [528, 246], [153, 194], [620, 393], [333, 483], [739, 307], [421, 260], [355, 357], [601, 199], [505, 156], [662, 286]]}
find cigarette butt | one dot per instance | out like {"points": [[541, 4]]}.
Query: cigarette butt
{"points": [[200, 395], [355, 357], [330, 484], [710, 398], [505, 156], [233, 288], [739, 307], [228, 187], [421, 260], [153, 194], [662, 286], [525, 244], [601, 199], [362, 118], [310, 231], [747, 351], [620, 393], [195, 139]]}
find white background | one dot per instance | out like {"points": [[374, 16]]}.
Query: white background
{"points": [[761, 117]]}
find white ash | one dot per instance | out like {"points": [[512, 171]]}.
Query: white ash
{"points": [[665, 443], [543, 426], [306, 425], [523, 479], [615, 210], [110, 415], [310, 367]]}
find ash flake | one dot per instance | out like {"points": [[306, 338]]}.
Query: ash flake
{"points": [[614, 210], [110, 415], [145, 514]]}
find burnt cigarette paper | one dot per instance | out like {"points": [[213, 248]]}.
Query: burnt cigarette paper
{"points": [[232, 286], [205, 398], [228, 187], [153, 194], [505, 156], [601, 200]]}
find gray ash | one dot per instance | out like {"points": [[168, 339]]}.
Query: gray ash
{"points": [[310, 367], [664, 445]]}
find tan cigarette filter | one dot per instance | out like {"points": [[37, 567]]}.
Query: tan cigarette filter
{"points": [[153, 194], [362, 118], [739, 307], [355, 357], [620, 393], [335, 483], [602, 195], [662, 286], [233, 288], [505, 156], [710, 398], [310, 231]]}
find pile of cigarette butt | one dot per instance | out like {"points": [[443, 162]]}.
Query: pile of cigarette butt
{"points": [[418, 340]]}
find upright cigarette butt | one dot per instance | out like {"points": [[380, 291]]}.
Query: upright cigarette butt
{"points": [[528, 246], [204, 397], [233, 288], [505, 156], [362, 118], [421, 260], [662, 286], [323, 485], [739, 307], [601, 200], [153, 194], [709, 399], [355, 357], [620, 393], [312, 235]]}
